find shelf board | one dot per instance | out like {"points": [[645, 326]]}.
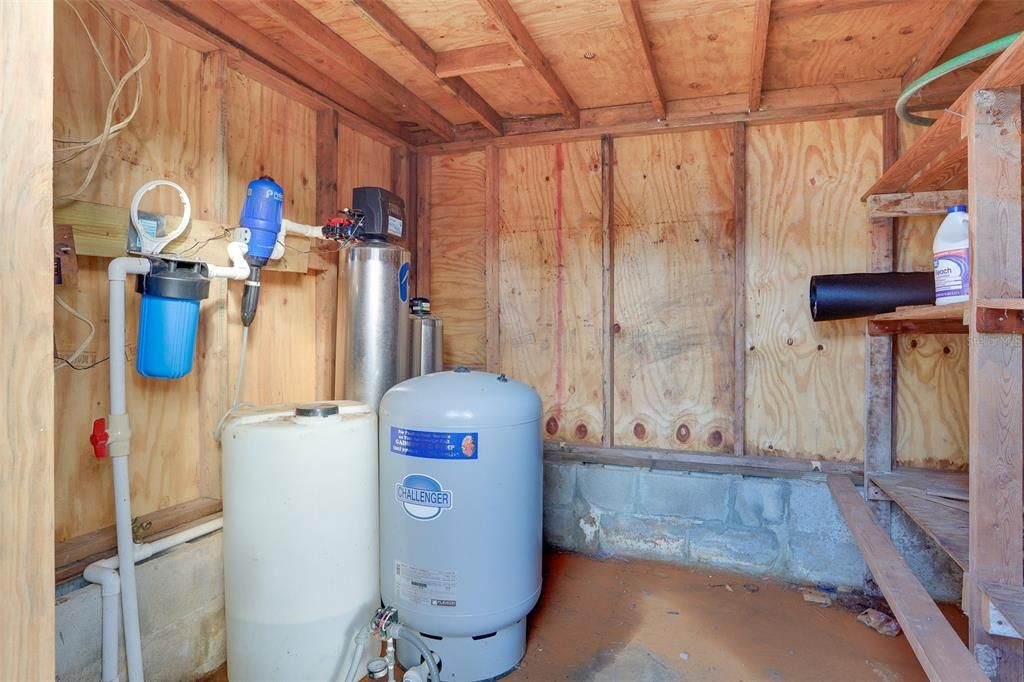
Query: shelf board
{"points": [[937, 160], [915, 491], [1000, 316], [920, 319]]}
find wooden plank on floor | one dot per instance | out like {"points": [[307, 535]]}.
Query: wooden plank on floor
{"points": [[946, 525], [937, 646]]}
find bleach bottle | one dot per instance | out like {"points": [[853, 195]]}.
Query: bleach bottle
{"points": [[952, 251]]}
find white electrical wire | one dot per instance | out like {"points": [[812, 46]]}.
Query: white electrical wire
{"points": [[110, 128], [84, 344]]}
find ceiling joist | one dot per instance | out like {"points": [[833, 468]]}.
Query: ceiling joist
{"points": [[481, 59], [638, 36], [392, 26], [251, 52], [336, 49], [953, 19], [762, 18], [509, 24]]}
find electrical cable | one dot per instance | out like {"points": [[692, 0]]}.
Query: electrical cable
{"points": [[110, 128], [70, 360], [958, 62]]}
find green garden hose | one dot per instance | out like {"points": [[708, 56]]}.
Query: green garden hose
{"points": [[975, 55]]}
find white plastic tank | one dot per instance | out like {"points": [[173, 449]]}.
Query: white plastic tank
{"points": [[461, 470], [300, 538]]}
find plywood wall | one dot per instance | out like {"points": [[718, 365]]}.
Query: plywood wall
{"points": [[673, 270], [211, 130], [457, 247], [931, 380], [549, 281], [26, 321], [805, 380], [674, 258]]}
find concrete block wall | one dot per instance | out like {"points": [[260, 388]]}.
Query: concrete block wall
{"points": [[788, 529], [181, 616]]}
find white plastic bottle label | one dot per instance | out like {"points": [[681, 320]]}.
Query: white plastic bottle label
{"points": [[952, 273]]}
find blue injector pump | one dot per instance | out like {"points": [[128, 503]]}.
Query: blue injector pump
{"points": [[262, 213]]}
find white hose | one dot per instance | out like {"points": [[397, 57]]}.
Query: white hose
{"points": [[351, 673], [238, 386], [70, 360]]}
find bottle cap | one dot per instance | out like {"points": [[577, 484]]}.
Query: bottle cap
{"points": [[959, 208]]}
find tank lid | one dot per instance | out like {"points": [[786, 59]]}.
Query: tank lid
{"points": [[316, 410], [959, 208]]}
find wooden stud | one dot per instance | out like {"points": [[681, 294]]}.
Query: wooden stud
{"points": [[255, 55], [608, 288], [996, 399], [648, 71], [326, 279], [423, 225], [762, 20], [26, 317], [739, 399], [879, 377], [391, 25], [954, 16], [936, 644], [492, 258], [333, 48], [509, 24], [482, 59], [212, 339]]}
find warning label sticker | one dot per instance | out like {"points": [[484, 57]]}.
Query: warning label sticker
{"points": [[427, 587], [434, 444]]}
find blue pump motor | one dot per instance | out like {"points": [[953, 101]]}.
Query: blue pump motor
{"points": [[169, 317], [261, 215]]}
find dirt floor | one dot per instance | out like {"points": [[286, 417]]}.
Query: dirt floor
{"points": [[639, 621]]}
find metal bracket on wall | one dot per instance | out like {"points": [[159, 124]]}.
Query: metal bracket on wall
{"points": [[65, 261]]}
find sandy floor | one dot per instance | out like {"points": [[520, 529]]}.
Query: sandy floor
{"points": [[637, 621]]}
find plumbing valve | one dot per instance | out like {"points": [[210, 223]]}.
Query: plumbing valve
{"points": [[99, 438]]}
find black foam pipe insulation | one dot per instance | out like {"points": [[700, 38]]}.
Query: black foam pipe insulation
{"points": [[859, 294]]}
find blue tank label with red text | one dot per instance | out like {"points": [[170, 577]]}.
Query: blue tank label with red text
{"points": [[434, 444]]}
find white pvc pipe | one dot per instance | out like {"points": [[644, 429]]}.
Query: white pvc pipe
{"points": [[312, 231], [117, 273], [238, 269], [105, 573]]}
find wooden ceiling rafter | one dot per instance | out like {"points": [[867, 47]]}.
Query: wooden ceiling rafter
{"points": [[391, 26], [255, 55], [511, 26], [481, 59], [638, 36], [952, 21], [762, 20], [300, 21]]}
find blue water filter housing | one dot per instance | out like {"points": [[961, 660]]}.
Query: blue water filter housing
{"points": [[261, 215], [169, 317]]}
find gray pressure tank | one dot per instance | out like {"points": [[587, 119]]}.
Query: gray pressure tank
{"points": [[461, 490]]}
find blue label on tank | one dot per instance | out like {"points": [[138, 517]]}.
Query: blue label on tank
{"points": [[434, 444], [423, 497], [403, 282]]}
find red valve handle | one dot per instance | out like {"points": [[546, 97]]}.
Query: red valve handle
{"points": [[99, 438]]}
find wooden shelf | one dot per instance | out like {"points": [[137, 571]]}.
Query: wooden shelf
{"points": [[938, 159], [930, 498], [1000, 316], [920, 319]]}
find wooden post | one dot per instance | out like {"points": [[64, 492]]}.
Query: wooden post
{"points": [[214, 385], [996, 399], [879, 446], [608, 288], [492, 260], [26, 318], [740, 289], [326, 289]]}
